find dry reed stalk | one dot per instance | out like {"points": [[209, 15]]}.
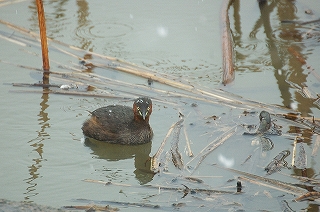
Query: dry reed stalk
{"points": [[216, 96], [227, 45], [155, 159], [72, 93], [190, 153], [175, 154], [212, 146], [275, 184], [92, 208], [271, 183], [316, 146], [313, 195], [294, 150]]}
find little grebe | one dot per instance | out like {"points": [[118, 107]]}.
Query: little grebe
{"points": [[121, 124]]}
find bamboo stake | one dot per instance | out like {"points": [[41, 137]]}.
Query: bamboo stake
{"points": [[44, 44]]}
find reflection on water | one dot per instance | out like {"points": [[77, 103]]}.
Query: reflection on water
{"points": [[115, 152], [274, 54], [83, 22], [37, 145]]}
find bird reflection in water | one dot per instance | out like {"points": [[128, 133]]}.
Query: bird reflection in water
{"points": [[116, 152]]}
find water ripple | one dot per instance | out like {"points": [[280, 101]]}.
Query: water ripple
{"points": [[103, 30]]}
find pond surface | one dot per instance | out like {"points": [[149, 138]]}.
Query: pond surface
{"points": [[45, 158]]}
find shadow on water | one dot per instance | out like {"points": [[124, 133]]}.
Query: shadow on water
{"points": [[116, 152]]}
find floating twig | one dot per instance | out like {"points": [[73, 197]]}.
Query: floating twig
{"points": [[175, 154], [270, 183], [190, 153], [310, 196], [210, 147], [316, 146], [160, 187], [155, 159], [144, 205], [92, 208]]}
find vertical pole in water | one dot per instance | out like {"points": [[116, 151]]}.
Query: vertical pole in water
{"points": [[44, 44]]}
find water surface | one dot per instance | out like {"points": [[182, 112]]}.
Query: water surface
{"points": [[44, 158]]}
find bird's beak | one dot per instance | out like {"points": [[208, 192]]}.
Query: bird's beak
{"points": [[144, 114]]}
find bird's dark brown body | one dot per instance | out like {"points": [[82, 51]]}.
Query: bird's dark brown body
{"points": [[121, 124]]}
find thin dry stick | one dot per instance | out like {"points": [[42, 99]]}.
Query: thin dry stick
{"points": [[190, 153], [175, 154], [10, 2], [72, 93], [316, 146], [310, 195], [212, 146], [196, 190], [275, 184], [294, 151], [227, 45], [271, 183], [13, 41], [106, 182], [156, 156], [92, 208]]}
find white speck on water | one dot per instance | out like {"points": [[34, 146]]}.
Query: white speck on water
{"points": [[162, 31], [65, 87], [227, 162], [110, 111]]}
